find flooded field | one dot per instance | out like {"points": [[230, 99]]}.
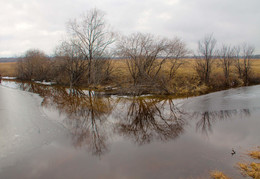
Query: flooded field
{"points": [[53, 132]]}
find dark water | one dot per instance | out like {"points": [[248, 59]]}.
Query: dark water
{"points": [[138, 137]]}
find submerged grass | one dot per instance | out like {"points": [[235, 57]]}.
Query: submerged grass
{"points": [[251, 169], [255, 154], [218, 175]]}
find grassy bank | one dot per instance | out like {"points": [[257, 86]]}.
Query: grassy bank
{"points": [[184, 83]]}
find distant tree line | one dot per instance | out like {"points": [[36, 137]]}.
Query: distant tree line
{"points": [[84, 57], [10, 59]]}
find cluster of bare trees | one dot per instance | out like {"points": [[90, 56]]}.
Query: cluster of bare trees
{"points": [[228, 56], [83, 57], [206, 54]]}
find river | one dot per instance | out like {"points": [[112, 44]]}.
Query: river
{"points": [[54, 132]]}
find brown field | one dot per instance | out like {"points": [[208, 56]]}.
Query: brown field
{"points": [[256, 67], [187, 70], [188, 67], [8, 69], [121, 71]]}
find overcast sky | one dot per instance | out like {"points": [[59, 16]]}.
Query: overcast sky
{"points": [[26, 24]]}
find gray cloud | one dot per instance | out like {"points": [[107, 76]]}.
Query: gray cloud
{"points": [[42, 23]]}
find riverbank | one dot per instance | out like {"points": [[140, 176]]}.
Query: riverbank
{"points": [[128, 91], [185, 82]]}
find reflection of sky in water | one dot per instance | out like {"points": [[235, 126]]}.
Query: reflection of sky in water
{"points": [[10, 84], [234, 99], [153, 137]]}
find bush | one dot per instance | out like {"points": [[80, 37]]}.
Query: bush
{"points": [[33, 66]]}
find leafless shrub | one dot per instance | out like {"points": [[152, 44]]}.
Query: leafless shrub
{"points": [[238, 65], [247, 54], [226, 55], [141, 52], [102, 69], [175, 51], [243, 55], [71, 62], [34, 65], [145, 54], [206, 52]]}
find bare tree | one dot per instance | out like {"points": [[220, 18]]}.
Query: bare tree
{"points": [[141, 52], [237, 55], [175, 51], [247, 54], [102, 70], [226, 55], [92, 37], [147, 120], [72, 61], [206, 52], [34, 65], [145, 54], [86, 115]]}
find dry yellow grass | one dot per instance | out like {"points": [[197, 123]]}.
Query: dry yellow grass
{"points": [[255, 154], [247, 169], [256, 67], [121, 70], [252, 170], [8, 69], [218, 175], [188, 68]]}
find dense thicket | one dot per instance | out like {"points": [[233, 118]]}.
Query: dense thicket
{"points": [[34, 65]]}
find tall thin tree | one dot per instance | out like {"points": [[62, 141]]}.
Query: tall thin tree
{"points": [[205, 56], [247, 54], [92, 36], [226, 55]]}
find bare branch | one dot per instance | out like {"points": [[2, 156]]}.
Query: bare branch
{"points": [[92, 37], [206, 53]]}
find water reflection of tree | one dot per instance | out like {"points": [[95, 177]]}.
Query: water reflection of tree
{"points": [[42, 90], [208, 118], [142, 119], [151, 119], [86, 114]]}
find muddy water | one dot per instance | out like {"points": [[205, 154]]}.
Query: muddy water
{"points": [[52, 132]]}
